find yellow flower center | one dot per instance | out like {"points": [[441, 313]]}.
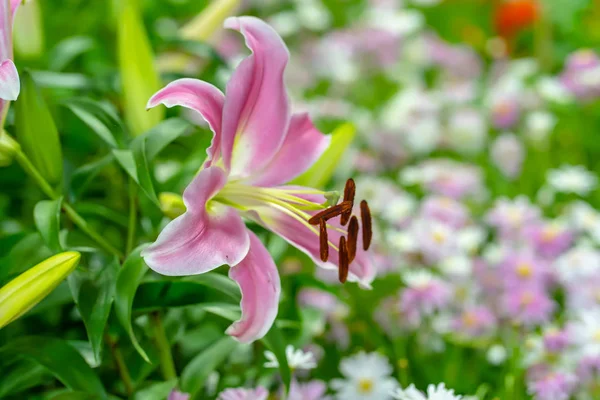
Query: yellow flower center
{"points": [[597, 336], [439, 237], [365, 386], [469, 319], [549, 234], [524, 270]]}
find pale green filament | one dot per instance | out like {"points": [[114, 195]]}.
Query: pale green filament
{"points": [[245, 197]]}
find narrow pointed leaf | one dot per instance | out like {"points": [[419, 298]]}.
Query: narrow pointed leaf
{"points": [[128, 279], [274, 340], [36, 131], [94, 293], [195, 373], [134, 162], [99, 118], [157, 138], [139, 78], [46, 215], [321, 172]]}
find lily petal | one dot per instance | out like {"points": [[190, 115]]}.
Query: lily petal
{"points": [[9, 81], [199, 96], [258, 279], [14, 5], [206, 236], [303, 145], [306, 239], [256, 106]]}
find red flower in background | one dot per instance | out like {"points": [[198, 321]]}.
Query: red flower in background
{"points": [[513, 16]]}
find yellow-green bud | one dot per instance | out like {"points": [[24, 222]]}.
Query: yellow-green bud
{"points": [[171, 204], [26, 290]]}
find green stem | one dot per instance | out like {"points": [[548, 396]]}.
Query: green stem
{"points": [[167, 365], [132, 217], [121, 366], [32, 171]]}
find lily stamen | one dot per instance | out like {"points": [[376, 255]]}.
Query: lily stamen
{"points": [[365, 217], [343, 261], [349, 193]]}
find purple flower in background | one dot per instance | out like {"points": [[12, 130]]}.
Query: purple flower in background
{"points": [[549, 239], [425, 293], [177, 395], [581, 76], [556, 340], [552, 386], [528, 306], [313, 390], [511, 216], [260, 393], [475, 321], [523, 269], [588, 369], [505, 112], [445, 210]]}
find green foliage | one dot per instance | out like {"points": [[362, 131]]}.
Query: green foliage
{"points": [[36, 131], [60, 359]]}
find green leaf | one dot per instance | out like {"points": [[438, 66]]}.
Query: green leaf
{"points": [[67, 50], [76, 396], [21, 376], [83, 175], [321, 171], [157, 138], [157, 391], [36, 131], [156, 295], [46, 215], [139, 78], [62, 80], [101, 119], [199, 368], [94, 292], [275, 342], [128, 279], [62, 360], [28, 251], [135, 164], [219, 282]]}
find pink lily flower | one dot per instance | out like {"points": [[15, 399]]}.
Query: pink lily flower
{"points": [[9, 77], [258, 146]]}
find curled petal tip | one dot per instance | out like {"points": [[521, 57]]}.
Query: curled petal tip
{"points": [[10, 85]]}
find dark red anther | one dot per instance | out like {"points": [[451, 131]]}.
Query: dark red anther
{"points": [[331, 212], [349, 192], [343, 261], [352, 238], [367, 229], [323, 242]]}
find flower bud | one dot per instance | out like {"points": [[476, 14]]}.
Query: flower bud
{"points": [[26, 290], [171, 204]]}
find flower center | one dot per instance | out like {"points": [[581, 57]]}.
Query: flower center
{"points": [[524, 270], [470, 319], [295, 203], [365, 386]]}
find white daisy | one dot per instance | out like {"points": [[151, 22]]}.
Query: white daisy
{"points": [[296, 358], [438, 392], [367, 377], [572, 179], [586, 332]]}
